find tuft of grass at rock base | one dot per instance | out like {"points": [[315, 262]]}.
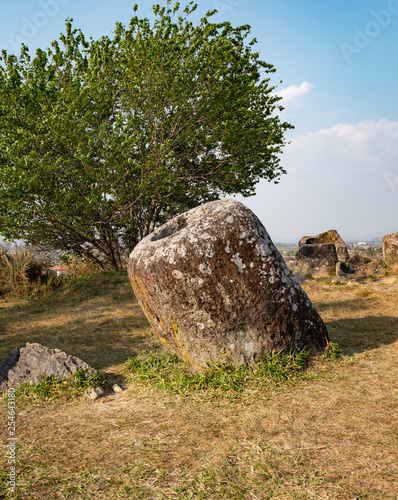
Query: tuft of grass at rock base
{"points": [[51, 388], [167, 371]]}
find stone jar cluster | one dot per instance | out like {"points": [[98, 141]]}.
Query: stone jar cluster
{"points": [[326, 255], [318, 255]]}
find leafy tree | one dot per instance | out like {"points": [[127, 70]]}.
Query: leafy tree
{"points": [[102, 140]]}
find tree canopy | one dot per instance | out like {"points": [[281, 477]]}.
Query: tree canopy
{"points": [[102, 140]]}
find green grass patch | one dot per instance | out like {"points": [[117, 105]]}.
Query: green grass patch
{"points": [[167, 371], [332, 351], [51, 388]]}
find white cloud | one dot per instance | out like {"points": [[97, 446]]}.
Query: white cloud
{"points": [[372, 143], [291, 94], [337, 178]]}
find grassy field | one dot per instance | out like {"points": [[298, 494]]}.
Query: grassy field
{"points": [[330, 433]]}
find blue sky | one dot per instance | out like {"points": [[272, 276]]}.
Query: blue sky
{"points": [[338, 64]]}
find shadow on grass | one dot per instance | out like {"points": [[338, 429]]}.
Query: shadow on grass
{"points": [[101, 344], [356, 335], [99, 321], [357, 304]]}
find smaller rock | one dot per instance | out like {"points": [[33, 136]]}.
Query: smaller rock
{"points": [[31, 363], [117, 388], [95, 392]]}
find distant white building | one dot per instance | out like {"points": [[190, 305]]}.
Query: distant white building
{"points": [[59, 270]]}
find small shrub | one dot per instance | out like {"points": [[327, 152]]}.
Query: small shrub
{"points": [[20, 272], [366, 260]]}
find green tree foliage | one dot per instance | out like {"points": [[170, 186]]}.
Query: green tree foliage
{"points": [[102, 140]]}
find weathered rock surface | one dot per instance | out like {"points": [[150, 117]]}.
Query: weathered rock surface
{"points": [[359, 268], [390, 249], [31, 363], [331, 236], [318, 260], [215, 288], [356, 262]]}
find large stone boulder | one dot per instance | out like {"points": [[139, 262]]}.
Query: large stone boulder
{"points": [[318, 260], [215, 289], [364, 267], [31, 363], [331, 236], [390, 249]]}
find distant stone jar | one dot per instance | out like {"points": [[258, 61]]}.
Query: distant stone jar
{"points": [[317, 255], [390, 249], [215, 289], [318, 260], [332, 237]]}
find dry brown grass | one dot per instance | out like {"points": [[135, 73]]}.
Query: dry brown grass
{"points": [[330, 436]]}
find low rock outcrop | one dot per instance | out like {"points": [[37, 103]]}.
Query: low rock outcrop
{"points": [[359, 268], [215, 288], [331, 236], [390, 249], [31, 363], [318, 260]]}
